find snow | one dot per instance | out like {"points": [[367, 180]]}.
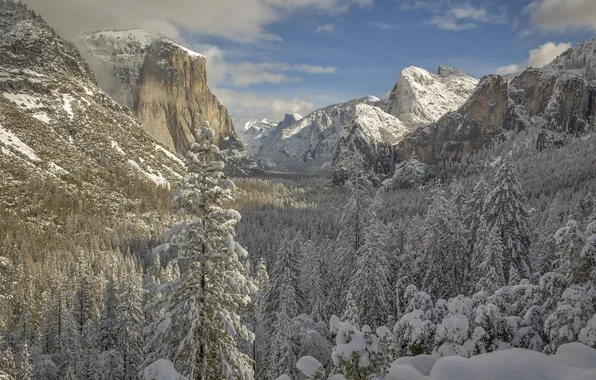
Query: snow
{"points": [[577, 355], [12, 141], [309, 366], [420, 97], [158, 179], [67, 106], [421, 363], [284, 377], [162, 369], [117, 147], [43, 117], [138, 35], [169, 154], [573, 361], [191, 53], [88, 91], [23, 101], [57, 169]]}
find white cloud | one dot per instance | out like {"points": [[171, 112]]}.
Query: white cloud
{"points": [[235, 20], [538, 57], [272, 106], [458, 16], [561, 15], [327, 28], [221, 72], [383, 25]]}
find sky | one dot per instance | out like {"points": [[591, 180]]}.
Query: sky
{"points": [[269, 57]]}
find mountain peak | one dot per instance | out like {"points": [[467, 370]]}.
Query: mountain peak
{"points": [[421, 97]]}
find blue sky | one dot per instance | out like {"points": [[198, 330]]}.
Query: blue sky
{"points": [[268, 57]]}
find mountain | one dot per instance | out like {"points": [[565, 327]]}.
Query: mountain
{"points": [[252, 130], [65, 145], [420, 97], [558, 99], [164, 83], [365, 144], [306, 145]]}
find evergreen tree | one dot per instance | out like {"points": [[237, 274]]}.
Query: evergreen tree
{"points": [[570, 242], [474, 210], [282, 358], [506, 210], [491, 265], [25, 371], [444, 255], [129, 328], [319, 287], [108, 319], [199, 327], [84, 308], [355, 216], [370, 291]]}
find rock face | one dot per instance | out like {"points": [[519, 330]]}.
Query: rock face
{"points": [[420, 97], [57, 128], [365, 143], [559, 99], [163, 82], [469, 128]]}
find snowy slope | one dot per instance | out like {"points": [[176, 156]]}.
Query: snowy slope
{"points": [[251, 130], [306, 145], [59, 128], [420, 97]]}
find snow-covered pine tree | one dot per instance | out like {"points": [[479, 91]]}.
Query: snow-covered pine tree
{"points": [[570, 242], [369, 293], [282, 359], [258, 301], [474, 210], [107, 339], [129, 327], [319, 287], [506, 209], [491, 264], [25, 371], [444, 256], [84, 308], [286, 257], [356, 214], [200, 326]]}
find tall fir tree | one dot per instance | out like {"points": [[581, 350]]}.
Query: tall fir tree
{"points": [[369, 293], [108, 319], [506, 209], [490, 266], [444, 254], [129, 327], [356, 215], [200, 326]]}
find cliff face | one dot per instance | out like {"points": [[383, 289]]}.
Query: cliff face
{"points": [[164, 83], [469, 128], [558, 99]]}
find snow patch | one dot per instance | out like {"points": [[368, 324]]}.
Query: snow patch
{"points": [[117, 147], [23, 101], [162, 369], [67, 104], [43, 117], [158, 179], [12, 141], [169, 154], [57, 169]]}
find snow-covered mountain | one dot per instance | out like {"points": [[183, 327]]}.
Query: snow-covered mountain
{"points": [[365, 144], [163, 82], [252, 130], [59, 129], [306, 144], [420, 97], [558, 100]]}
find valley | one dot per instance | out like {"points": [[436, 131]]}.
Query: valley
{"points": [[148, 232]]}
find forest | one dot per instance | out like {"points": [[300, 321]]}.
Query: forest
{"points": [[268, 278]]}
